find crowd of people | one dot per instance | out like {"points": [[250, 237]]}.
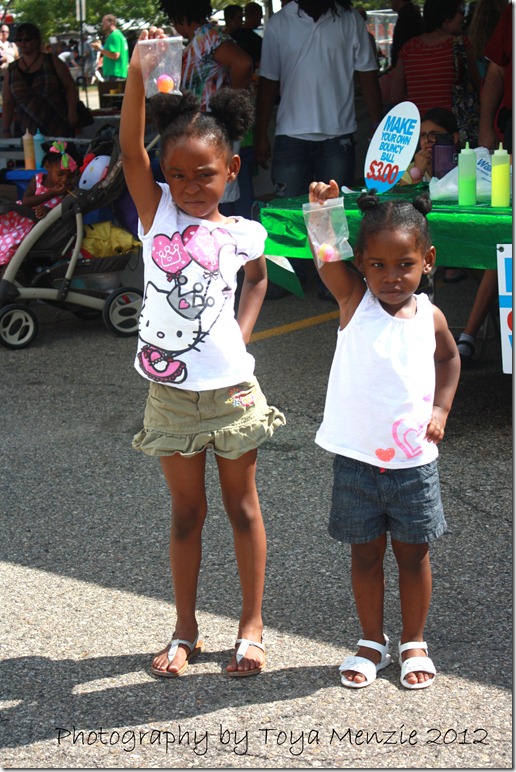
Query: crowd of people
{"points": [[304, 71]]}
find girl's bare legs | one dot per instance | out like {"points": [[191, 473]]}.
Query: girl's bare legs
{"points": [[368, 582], [415, 583], [185, 480], [240, 497]]}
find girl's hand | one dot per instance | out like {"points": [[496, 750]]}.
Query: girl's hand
{"points": [[423, 161], [435, 428], [153, 33], [59, 189], [40, 211], [320, 191]]}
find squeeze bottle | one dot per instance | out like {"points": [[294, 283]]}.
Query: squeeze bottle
{"points": [[38, 150], [467, 177], [500, 178], [28, 150]]}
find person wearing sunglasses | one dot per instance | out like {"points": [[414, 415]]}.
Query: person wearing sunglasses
{"points": [[434, 123], [38, 91]]}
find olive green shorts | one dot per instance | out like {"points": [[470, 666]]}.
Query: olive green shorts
{"points": [[232, 420]]}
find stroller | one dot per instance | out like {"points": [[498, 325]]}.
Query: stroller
{"points": [[48, 265]]}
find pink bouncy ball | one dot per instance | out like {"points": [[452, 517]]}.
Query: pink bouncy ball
{"points": [[326, 253], [165, 83]]}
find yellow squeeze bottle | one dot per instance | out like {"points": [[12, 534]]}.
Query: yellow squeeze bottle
{"points": [[28, 150], [500, 178]]}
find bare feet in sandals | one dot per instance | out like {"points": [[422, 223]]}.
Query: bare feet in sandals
{"points": [[173, 660], [249, 657], [360, 670], [417, 669]]}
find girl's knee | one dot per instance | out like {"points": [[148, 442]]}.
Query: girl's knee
{"points": [[411, 557], [369, 556], [243, 518], [186, 522]]}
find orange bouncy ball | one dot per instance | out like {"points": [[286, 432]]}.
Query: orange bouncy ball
{"points": [[165, 84]]}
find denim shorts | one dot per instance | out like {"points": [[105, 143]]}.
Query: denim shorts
{"points": [[231, 421], [368, 502]]}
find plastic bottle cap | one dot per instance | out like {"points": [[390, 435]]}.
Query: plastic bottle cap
{"points": [[466, 150], [501, 150]]}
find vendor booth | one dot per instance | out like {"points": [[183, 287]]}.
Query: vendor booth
{"points": [[463, 236]]}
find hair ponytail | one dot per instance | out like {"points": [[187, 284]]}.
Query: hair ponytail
{"points": [[232, 108], [176, 115], [164, 109], [398, 215]]}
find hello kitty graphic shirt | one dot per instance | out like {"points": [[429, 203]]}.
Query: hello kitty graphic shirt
{"points": [[188, 335], [381, 387]]}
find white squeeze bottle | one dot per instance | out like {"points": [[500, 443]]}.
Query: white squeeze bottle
{"points": [[500, 178], [28, 150], [38, 149], [467, 177]]}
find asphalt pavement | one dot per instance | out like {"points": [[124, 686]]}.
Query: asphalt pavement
{"points": [[86, 585]]}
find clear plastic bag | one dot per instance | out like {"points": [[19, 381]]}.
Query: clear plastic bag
{"points": [[328, 231], [160, 60]]}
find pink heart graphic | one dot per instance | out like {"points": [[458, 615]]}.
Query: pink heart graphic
{"points": [[410, 447], [188, 233], [222, 237], [203, 248], [385, 454], [170, 254], [183, 303]]}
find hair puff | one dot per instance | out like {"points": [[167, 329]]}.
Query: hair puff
{"points": [[233, 109], [166, 108], [397, 214]]}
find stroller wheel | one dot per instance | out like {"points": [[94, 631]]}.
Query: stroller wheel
{"points": [[122, 310], [18, 326]]}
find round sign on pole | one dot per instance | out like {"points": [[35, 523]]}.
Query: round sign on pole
{"points": [[392, 148]]}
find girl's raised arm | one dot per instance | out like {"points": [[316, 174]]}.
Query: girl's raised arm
{"points": [[343, 280], [142, 186]]}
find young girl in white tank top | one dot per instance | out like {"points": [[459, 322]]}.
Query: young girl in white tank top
{"points": [[390, 390]]}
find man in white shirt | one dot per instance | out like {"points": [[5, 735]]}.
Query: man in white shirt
{"points": [[311, 51]]}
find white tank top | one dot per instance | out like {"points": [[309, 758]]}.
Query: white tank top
{"points": [[381, 387]]}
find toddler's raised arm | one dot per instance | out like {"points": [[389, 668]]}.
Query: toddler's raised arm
{"points": [[343, 280]]}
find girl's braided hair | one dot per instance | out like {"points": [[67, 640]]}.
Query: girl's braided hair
{"points": [[397, 215], [176, 115]]}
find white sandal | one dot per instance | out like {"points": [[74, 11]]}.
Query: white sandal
{"points": [[195, 649], [365, 666], [416, 665], [243, 645]]}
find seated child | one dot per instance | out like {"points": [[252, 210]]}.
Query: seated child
{"points": [[434, 122], [44, 192]]}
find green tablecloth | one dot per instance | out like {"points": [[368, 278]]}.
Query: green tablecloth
{"points": [[463, 237]]}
